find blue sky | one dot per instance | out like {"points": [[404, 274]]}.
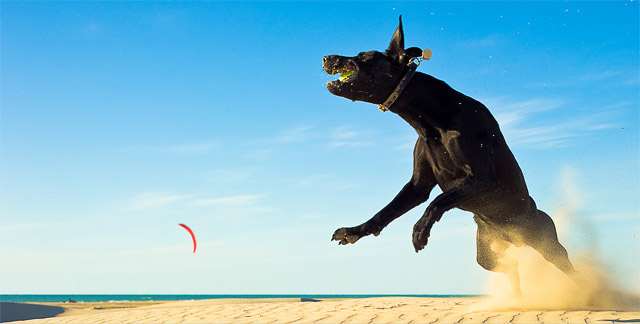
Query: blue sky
{"points": [[120, 120]]}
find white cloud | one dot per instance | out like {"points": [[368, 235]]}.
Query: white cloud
{"points": [[501, 105], [153, 200], [490, 42], [192, 148], [600, 127], [350, 144], [239, 200], [344, 133], [600, 76], [342, 136], [294, 134], [347, 137], [407, 146], [620, 105], [515, 116], [165, 250], [92, 30], [311, 180], [406, 143], [21, 227], [541, 137], [326, 181], [229, 175], [608, 77], [237, 206]]}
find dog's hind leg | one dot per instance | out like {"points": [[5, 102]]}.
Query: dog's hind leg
{"points": [[491, 247], [542, 236]]}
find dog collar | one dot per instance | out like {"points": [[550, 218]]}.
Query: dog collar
{"points": [[401, 85]]}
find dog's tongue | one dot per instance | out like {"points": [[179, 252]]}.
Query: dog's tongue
{"points": [[345, 75]]}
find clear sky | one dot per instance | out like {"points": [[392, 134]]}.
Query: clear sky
{"points": [[122, 119]]}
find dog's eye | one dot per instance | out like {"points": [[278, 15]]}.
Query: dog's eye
{"points": [[364, 56]]}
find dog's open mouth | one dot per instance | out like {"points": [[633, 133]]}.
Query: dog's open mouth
{"points": [[346, 68], [346, 74]]}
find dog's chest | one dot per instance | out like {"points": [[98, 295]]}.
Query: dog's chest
{"points": [[444, 154]]}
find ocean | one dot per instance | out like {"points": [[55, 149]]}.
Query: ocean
{"points": [[143, 297]]}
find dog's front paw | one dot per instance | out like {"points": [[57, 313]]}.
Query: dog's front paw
{"points": [[347, 235], [420, 235]]}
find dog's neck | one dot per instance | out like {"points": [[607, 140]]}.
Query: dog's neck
{"points": [[426, 103], [411, 70]]}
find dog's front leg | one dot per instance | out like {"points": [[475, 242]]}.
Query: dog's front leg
{"points": [[409, 197], [412, 194], [470, 187]]}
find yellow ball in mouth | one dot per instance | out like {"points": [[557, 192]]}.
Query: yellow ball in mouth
{"points": [[345, 75]]}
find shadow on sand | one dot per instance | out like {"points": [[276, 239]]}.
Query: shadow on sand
{"points": [[19, 312]]}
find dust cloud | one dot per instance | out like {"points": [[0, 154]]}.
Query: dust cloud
{"points": [[544, 286]]}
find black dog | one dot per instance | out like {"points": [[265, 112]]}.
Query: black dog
{"points": [[460, 148]]}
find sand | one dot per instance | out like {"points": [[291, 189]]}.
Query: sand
{"points": [[364, 310]]}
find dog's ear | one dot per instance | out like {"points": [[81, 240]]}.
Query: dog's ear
{"points": [[413, 52], [396, 47]]}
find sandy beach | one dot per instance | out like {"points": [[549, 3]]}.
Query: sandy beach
{"points": [[364, 310]]}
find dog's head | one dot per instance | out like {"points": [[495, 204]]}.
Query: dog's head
{"points": [[370, 76]]}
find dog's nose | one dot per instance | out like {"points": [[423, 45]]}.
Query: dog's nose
{"points": [[326, 58], [329, 61]]}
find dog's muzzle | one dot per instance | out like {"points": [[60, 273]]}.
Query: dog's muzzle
{"points": [[334, 64]]}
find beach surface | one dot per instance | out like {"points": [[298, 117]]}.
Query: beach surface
{"points": [[280, 310]]}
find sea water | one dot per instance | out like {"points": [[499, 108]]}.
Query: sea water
{"points": [[59, 298]]}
